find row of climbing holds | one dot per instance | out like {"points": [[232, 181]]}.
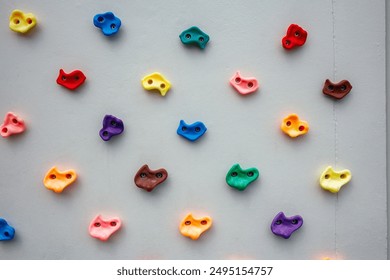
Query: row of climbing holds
{"points": [[192, 227], [243, 85], [237, 178], [110, 24]]}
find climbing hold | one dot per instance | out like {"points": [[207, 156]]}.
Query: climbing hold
{"points": [[285, 226], [108, 23], [6, 231], [103, 228], [332, 180], [338, 90], [148, 179], [191, 132], [296, 36], [193, 228], [244, 85], [12, 125], [57, 181], [111, 126], [72, 80], [21, 22], [239, 178], [293, 126], [156, 81], [194, 36]]}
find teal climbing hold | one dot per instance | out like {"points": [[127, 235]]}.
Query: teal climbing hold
{"points": [[194, 36]]}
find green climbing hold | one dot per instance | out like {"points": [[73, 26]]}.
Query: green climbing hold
{"points": [[239, 178], [194, 36]]}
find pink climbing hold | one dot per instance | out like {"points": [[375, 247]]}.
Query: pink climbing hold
{"points": [[103, 228], [12, 125], [244, 85]]}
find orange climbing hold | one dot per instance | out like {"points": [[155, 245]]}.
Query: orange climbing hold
{"points": [[57, 181], [293, 126], [193, 228]]}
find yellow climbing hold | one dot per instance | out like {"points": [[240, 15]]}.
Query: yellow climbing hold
{"points": [[156, 81], [21, 22], [332, 180]]}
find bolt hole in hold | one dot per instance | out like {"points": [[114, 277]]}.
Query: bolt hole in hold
{"points": [[52, 176], [278, 222], [197, 129], [342, 176], [301, 128], [288, 123], [76, 78], [113, 123], [100, 19], [237, 80], [327, 176], [204, 222], [287, 42], [297, 34], [159, 175], [113, 26], [15, 121], [6, 233], [294, 222], [68, 176], [188, 36], [63, 78], [201, 39], [184, 128], [4, 130], [105, 133], [162, 86], [142, 175], [150, 82], [250, 174], [97, 224], [16, 21], [29, 20], [187, 223], [113, 224], [250, 84], [234, 174], [330, 87], [343, 87]]}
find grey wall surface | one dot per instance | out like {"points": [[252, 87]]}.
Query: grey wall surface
{"points": [[346, 41]]}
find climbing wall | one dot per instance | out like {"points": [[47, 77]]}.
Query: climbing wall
{"points": [[345, 40]]}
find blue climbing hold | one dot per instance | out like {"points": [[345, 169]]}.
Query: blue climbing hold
{"points": [[108, 23], [191, 132], [6, 231], [194, 36]]}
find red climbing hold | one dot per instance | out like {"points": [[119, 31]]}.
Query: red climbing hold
{"points": [[296, 36], [72, 80]]}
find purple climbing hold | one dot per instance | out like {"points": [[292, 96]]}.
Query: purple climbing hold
{"points": [[285, 226], [111, 126]]}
